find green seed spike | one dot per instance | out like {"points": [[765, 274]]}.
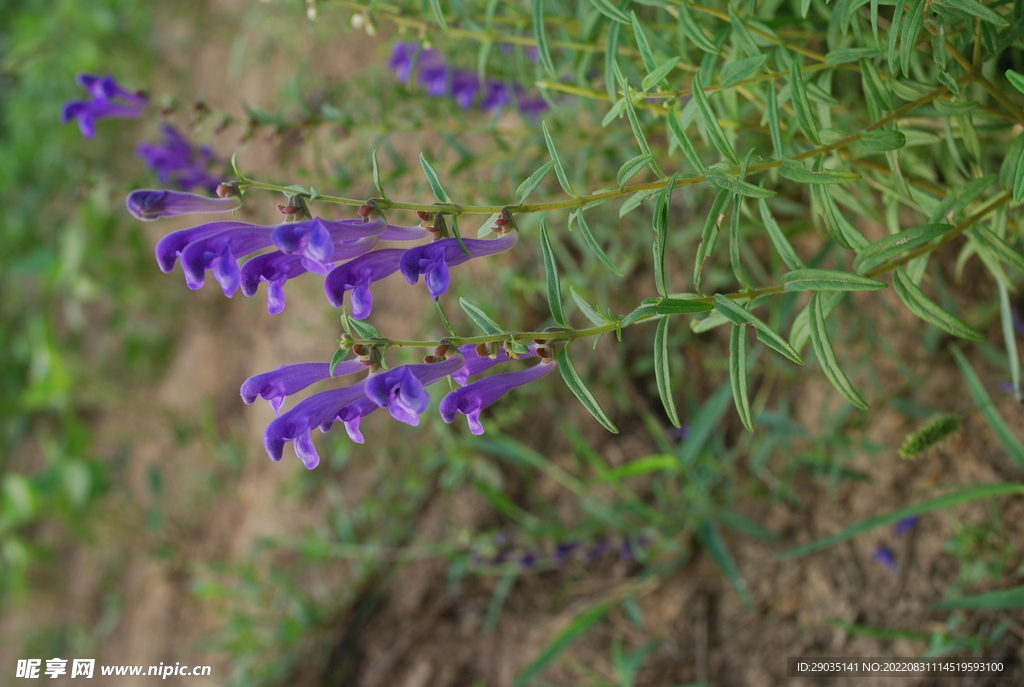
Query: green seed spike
{"points": [[938, 429]]}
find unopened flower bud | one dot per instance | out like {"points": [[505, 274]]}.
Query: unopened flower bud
{"points": [[360, 349], [442, 350], [289, 209], [229, 190]]}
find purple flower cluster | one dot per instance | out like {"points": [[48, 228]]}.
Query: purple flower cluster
{"points": [[178, 163], [883, 552], [314, 245], [503, 551], [402, 390], [109, 99], [465, 87]]}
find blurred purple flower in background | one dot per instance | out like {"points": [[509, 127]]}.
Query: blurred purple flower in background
{"points": [[178, 163], [109, 99], [886, 556], [905, 526]]}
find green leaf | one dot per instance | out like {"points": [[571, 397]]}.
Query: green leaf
{"points": [[444, 318], [596, 318], [710, 122], [1010, 339], [735, 242], [1002, 250], [1018, 177], [435, 9], [975, 9], [234, 168], [709, 237], [1016, 79], [954, 109], [796, 171], [827, 355], [912, 26], [997, 600], [719, 178], [984, 402], [891, 247], [563, 180], [660, 225], [703, 425], [434, 181], [376, 175], [693, 31], [844, 55], [734, 72], [540, 34], [738, 375], [894, 33], [811, 279], [666, 306], [741, 35], [533, 181], [551, 272], [642, 44], [800, 332], [782, 245], [485, 323], [675, 127], [882, 140], [658, 74], [837, 223], [630, 167], [712, 540], [985, 492], [929, 311], [642, 466], [580, 625], [337, 358], [774, 120], [580, 390], [595, 247], [608, 9], [801, 106], [611, 49], [662, 374], [614, 112], [961, 196], [365, 330], [738, 315]]}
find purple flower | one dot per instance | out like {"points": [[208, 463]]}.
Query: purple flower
{"points": [[433, 259], [108, 100], [352, 415], [150, 204], [357, 275], [477, 364], [562, 552], [277, 267], [886, 556], [471, 400], [315, 239], [220, 253], [176, 161], [297, 424], [905, 526], [406, 56], [464, 88], [286, 380], [401, 389]]}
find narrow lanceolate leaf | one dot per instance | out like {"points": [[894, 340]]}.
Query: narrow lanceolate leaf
{"points": [[559, 169], [929, 311], [962, 196], [540, 33], [435, 9], [719, 178], [642, 43], [898, 18], [738, 375], [985, 492], [738, 315], [735, 242], [734, 72], [631, 167], [610, 10], [611, 50], [1018, 178], [665, 306], [795, 170], [675, 126], [561, 642], [827, 356], [376, 175], [434, 181], [975, 9], [883, 140], [339, 355], [693, 31], [365, 330], [710, 122], [741, 36], [660, 225], [589, 311], [634, 124], [1002, 599], [1016, 79], [661, 372], [774, 120], [984, 402], [811, 279], [800, 333], [1006, 316], [891, 247], [711, 538], [580, 390], [912, 25], [480, 317], [658, 74], [801, 105], [782, 245], [709, 237], [595, 247], [533, 181], [551, 273], [997, 246]]}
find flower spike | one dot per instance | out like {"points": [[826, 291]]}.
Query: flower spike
{"points": [[401, 389]]}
